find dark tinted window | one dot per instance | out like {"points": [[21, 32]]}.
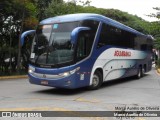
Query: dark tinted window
{"points": [[84, 46], [52, 45], [114, 36], [86, 38], [146, 47], [142, 43], [91, 24]]}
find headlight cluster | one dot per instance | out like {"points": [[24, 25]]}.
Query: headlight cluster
{"points": [[31, 69], [65, 74]]}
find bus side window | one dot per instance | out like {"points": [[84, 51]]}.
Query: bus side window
{"points": [[86, 39], [102, 39], [84, 45], [111, 35], [81, 47]]}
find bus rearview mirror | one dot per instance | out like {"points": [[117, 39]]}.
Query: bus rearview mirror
{"points": [[75, 32], [25, 34]]}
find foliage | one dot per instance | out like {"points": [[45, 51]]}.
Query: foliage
{"points": [[158, 63], [41, 6], [12, 12], [155, 15], [59, 8], [155, 28]]}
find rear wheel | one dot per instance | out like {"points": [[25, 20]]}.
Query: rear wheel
{"points": [[140, 73], [96, 81], [143, 71]]}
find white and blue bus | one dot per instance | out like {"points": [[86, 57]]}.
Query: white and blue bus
{"points": [[79, 50]]}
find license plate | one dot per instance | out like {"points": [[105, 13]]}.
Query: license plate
{"points": [[44, 82]]}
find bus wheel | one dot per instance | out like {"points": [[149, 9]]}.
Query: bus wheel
{"points": [[96, 81], [143, 71], [139, 73]]}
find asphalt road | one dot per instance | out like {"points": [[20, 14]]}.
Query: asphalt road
{"points": [[20, 95]]}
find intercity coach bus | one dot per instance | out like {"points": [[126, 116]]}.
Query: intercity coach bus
{"points": [[79, 50]]}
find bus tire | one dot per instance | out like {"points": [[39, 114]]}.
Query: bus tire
{"points": [[96, 80], [139, 73], [143, 71]]}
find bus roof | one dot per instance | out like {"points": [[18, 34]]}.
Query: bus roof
{"points": [[83, 16]]}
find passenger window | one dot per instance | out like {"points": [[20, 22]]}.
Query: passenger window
{"points": [[86, 39], [84, 44], [114, 36]]}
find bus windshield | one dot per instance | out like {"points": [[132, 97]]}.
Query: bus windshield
{"points": [[52, 44]]}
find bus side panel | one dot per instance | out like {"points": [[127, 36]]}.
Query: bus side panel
{"points": [[119, 63]]}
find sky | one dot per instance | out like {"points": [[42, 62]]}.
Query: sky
{"points": [[140, 8]]}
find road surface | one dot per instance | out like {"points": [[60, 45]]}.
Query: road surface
{"points": [[20, 95]]}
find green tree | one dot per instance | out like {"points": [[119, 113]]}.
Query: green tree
{"points": [[60, 8], [41, 6], [155, 28], [14, 16]]}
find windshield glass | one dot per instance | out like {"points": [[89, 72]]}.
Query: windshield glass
{"points": [[52, 44]]}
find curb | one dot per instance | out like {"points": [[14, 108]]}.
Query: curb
{"points": [[13, 77]]}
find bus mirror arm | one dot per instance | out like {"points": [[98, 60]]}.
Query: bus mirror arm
{"points": [[75, 32], [24, 35]]}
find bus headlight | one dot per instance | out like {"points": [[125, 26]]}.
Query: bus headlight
{"points": [[65, 74], [31, 69]]}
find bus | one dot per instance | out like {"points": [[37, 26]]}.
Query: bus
{"points": [[80, 50]]}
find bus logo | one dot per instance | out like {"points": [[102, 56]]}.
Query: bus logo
{"points": [[122, 53]]}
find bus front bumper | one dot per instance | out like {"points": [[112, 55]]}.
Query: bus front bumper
{"points": [[67, 82]]}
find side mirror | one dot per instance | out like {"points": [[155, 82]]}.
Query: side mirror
{"points": [[25, 34], [75, 32]]}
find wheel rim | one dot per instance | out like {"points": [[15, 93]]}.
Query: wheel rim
{"points": [[139, 73], [143, 71], [95, 80]]}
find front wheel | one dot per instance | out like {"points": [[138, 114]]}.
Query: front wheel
{"points": [[96, 81]]}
